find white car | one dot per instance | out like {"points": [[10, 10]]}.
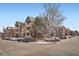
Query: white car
{"points": [[13, 39], [6, 38], [20, 39], [52, 39]]}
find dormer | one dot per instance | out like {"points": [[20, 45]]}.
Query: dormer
{"points": [[18, 23], [29, 19]]}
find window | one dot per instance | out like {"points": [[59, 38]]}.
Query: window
{"points": [[28, 34], [16, 25], [28, 28], [17, 35], [17, 30], [28, 22], [23, 34]]}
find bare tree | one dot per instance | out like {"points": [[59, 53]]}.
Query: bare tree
{"points": [[39, 28], [46, 23], [53, 15]]}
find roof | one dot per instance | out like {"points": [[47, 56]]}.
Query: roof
{"points": [[18, 22], [29, 18]]}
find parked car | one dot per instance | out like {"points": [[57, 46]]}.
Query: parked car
{"points": [[13, 39], [68, 36], [20, 39], [52, 39], [29, 39], [62, 37], [5, 38]]}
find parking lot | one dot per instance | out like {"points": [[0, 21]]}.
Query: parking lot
{"points": [[64, 47]]}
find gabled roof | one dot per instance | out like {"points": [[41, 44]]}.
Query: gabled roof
{"points": [[18, 22], [29, 19]]}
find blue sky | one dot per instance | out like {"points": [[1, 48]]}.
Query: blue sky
{"points": [[10, 13]]}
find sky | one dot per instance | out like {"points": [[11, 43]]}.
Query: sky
{"points": [[10, 13]]}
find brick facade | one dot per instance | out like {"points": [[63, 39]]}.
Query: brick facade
{"points": [[26, 29]]}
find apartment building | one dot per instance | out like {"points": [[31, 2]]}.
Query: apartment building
{"points": [[9, 32], [28, 27], [19, 27], [1, 34], [61, 31], [36, 28]]}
